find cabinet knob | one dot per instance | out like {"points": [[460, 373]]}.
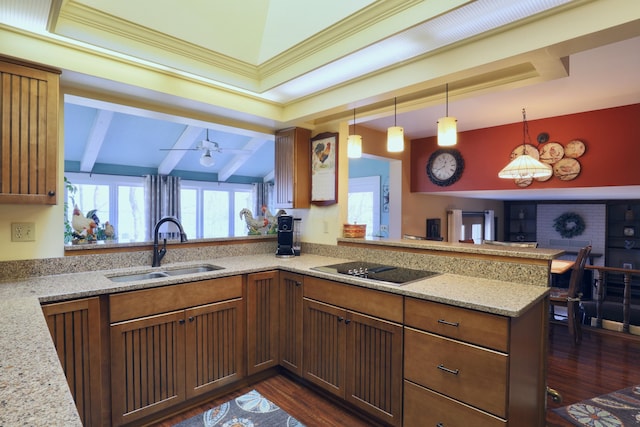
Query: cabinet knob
{"points": [[347, 321], [181, 321], [298, 283], [51, 193], [340, 318], [439, 425], [191, 319]]}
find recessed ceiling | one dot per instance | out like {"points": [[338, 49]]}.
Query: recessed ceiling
{"points": [[282, 63]]}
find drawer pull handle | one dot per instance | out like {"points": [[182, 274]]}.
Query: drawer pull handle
{"points": [[451, 371], [444, 322]]}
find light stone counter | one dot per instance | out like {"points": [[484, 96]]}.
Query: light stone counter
{"points": [[33, 389]]}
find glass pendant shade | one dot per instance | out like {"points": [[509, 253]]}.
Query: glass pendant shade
{"points": [[206, 159], [447, 131], [525, 166], [354, 142], [395, 139], [354, 146]]}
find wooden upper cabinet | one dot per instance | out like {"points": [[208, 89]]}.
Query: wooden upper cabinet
{"points": [[28, 134], [293, 168]]}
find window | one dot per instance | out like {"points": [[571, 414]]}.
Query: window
{"points": [[211, 209], [207, 209], [364, 203], [117, 199]]}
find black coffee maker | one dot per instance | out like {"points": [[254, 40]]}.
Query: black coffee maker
{"points": [[285, 237]]}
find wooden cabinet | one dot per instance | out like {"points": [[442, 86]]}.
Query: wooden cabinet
{"points": [[520, 221], [291, 294], [293, 168], [28, 133], [77, 333], [623, 246], [172, 343], [262, 321], [351, 352], [473, 368]]}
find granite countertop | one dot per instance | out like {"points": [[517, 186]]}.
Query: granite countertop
{"points": [[33, 389]]}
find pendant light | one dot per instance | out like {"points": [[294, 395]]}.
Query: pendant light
{"points": [[395, 134], [524, 166], [206, 159], [354, 142], [447, 127]]}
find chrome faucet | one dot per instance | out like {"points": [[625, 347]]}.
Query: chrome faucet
{"points": [[159, 254]]}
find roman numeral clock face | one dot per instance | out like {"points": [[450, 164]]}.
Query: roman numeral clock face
{"points": [[445, 167]]}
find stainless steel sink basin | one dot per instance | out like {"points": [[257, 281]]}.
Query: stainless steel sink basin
{"points": [[165, 273], [136, 277], [193, 270]]}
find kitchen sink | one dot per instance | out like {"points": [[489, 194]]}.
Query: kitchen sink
{"points": [[136, 277], [192, 270], [165, 273]]}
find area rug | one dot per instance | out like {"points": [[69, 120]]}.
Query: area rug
{"points": [[248, 410], [617, 409]]}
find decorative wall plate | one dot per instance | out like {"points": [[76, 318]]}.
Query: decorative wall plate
{"points": [[566, 169], [574, 149], [523, 182], [528, 148], [543, 179], [551, 152]]}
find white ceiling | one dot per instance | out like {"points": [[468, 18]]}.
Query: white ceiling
{"points": [[311, 63]]}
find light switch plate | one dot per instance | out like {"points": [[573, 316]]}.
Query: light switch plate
{"points": [[23, 232]]}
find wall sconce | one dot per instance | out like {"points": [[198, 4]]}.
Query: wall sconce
{"points": [[447, 127], [395, 134], [354, 142], [524, 166]]}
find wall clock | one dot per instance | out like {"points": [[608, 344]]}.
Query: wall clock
{"points": [[445, 166]]}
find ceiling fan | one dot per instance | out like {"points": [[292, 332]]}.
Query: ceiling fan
{"points": [[205, 145]]}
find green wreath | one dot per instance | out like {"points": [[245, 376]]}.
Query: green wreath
{"points": [[569, 224]]}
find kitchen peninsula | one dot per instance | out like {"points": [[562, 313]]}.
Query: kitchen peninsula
{"points": [[34, 390]]}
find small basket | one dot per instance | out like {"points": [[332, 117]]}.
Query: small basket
{"points": [[354, 230]]}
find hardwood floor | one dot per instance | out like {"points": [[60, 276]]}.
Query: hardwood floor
{"points": [[602, 363]]}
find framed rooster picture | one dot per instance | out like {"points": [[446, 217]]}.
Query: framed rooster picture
{"points": [[324, 169]]}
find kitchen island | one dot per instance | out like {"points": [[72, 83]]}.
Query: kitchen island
{"points": [[33, 387]]}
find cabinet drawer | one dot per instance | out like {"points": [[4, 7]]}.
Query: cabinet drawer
{"points": [[423, 407], [465, 372], [374, 303], [487, 330], [146, 302]]}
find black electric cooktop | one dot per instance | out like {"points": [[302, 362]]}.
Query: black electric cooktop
{"points": [[377, 272]]}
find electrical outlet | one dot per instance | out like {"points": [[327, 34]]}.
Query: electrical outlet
{"points": [[23, 232]]}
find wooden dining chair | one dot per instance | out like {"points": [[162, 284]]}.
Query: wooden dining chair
{"points": [[570, 297]]}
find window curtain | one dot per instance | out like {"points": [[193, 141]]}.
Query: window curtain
{"points": [[262, 195], [162, 198], [454, 225]]}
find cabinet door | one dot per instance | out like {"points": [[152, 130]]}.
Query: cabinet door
{"points": [[291, 288], [28, 134], [147, 365], [374, 366], [214, 346], [324, 346], [292, 168], [77, 335], [262, 321]]}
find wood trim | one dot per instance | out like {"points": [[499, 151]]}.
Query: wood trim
{"points": [[98, 249]]}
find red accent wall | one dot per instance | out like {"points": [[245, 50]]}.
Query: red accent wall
{"points": [[612, 156]]}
